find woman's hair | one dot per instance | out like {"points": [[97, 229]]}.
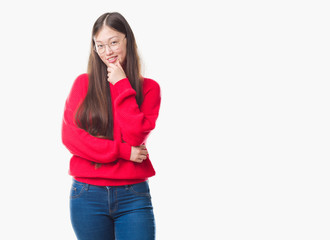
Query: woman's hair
{"points": [[95, 112]]}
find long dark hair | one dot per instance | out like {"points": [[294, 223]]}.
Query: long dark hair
{"points": [[95, 112]]}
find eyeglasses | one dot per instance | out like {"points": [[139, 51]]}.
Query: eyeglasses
{"points": [[113, 44]]}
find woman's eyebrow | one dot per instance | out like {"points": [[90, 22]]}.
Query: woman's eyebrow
{"points": [[108, 39]]}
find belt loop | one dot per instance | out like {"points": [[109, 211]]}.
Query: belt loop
{"points": [[86, 186]]}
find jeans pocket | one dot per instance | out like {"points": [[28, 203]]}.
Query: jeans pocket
{"points": [[77, 189], [140, 189]]}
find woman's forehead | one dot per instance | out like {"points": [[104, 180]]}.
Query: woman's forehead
{"points": [[106, 33]]}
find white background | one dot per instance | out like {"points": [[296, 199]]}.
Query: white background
{"points": [[241, 146]]}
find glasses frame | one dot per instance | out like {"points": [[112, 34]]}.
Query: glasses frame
{"points": [[108, 44]]}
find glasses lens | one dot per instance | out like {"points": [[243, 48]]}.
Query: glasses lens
{"points": [[101, 50], [113, 45]]}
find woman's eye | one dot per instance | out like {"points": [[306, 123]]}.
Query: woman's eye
{"points": [[100, 46], [114, 43]]}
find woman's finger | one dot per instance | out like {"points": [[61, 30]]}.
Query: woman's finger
{"points": [[139, 160], [113, 66], [144, 152], [119, 65]]}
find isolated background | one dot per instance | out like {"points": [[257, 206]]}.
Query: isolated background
{"points": [[241, 147]]}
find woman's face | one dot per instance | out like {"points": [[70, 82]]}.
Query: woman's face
{"points": [[110, 45]]}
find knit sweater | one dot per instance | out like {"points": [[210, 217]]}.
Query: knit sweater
{"points": [[132, 126]]}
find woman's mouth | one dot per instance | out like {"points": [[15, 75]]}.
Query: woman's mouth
{"points": [[112, 59]]}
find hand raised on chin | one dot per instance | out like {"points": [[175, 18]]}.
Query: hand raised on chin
{"points": [[115, 72]]}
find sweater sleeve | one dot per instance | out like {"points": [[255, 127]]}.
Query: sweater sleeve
{"points": [[78, 141], [136, 123]]}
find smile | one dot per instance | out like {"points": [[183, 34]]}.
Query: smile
{"points": [[112, 59]]}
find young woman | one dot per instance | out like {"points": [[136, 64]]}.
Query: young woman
{"points": [[108, 116]]}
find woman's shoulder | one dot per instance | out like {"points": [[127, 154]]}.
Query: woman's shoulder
{"points": [[83, 77], [151, 87], [150, 83], [81, 81], [79, 89], [80, 85]]}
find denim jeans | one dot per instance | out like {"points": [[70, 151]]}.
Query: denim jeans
{"points": [[119, 212]]}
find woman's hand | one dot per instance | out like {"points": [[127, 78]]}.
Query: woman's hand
{"points": [[139, 153], [115, 72]]}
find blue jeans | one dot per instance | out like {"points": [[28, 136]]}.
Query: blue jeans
{"points": [[119, 212]]}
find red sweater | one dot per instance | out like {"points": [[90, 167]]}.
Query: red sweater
{"points": [[132, 125]]}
